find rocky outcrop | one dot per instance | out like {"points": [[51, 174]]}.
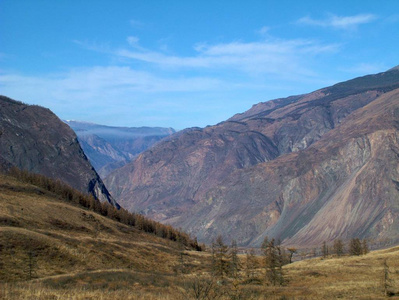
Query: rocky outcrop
{"points": [[34, 139], [280, 169], [109, 147]]}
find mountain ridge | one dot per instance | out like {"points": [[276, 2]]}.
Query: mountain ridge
{"points": [[281, 179], [34, 139], [111, 147], [180, 180]]}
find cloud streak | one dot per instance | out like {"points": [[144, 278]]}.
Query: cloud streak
{"points": [[103, 93], [365, 68], [340, 22], [209, 74], [277, 57], [94, 82], [138, 74]]}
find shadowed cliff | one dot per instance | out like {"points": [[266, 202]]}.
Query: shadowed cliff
{"points": [[32, 138]]}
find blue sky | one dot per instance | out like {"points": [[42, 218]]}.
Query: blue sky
{"points": [[185, 63]]}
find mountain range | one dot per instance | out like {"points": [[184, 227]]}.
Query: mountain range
{"points": [[110, 147], [303, 169]]}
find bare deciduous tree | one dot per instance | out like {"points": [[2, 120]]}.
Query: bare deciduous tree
{"points": [[355, 247], [324, 250], [365, 247], [251, 264], [235, 264], [220, 259], [202, 288], [338, 247], [273, 262]]}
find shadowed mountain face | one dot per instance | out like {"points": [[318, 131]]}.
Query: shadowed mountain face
{"points": [[110, 147], [305, 169], [32, 138]]}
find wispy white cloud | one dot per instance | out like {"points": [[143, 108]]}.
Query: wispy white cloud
{"points": [[264, 30], [137, 76], [340, 22], [392, 19], [136, 23], [100, 93], [93, 46], [267, 57], [122, 95], [94, 82], [132, 40], [366, 68], [164, 44]]}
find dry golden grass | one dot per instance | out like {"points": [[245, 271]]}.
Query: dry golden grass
{"points": [[349, 277], [68, 239], [78, 254]]}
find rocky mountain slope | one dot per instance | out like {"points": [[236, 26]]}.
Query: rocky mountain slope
{"points": [[109, 147], [34, 139], [304, 169]]}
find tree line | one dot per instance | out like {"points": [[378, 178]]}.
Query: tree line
{"points": [[226, 263], [232, 276], [355, 246], [138, 221]]}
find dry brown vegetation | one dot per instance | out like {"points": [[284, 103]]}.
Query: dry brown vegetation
{"points": [[66, 193], [52, 249]]}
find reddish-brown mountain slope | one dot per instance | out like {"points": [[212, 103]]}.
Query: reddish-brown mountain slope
{"points": [[273, 169], [343, 186]]}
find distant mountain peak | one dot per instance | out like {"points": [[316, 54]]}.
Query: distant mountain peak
{"points": [[394, 68], [110, 147]]}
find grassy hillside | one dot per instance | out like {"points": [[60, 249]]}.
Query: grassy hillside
{"points": [[349, 277], [42, 237], [52, 249]]}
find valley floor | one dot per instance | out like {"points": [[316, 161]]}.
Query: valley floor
{"points": [[50, 249], [332, 278]]}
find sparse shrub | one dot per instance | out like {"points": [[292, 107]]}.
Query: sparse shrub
{"points": [[31, 262], [202, 288], [291, 252]]}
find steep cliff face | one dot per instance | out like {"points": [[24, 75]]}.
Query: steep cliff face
{"points": [[109, 147], [274, 169], [34, 139], [343, 186]]}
